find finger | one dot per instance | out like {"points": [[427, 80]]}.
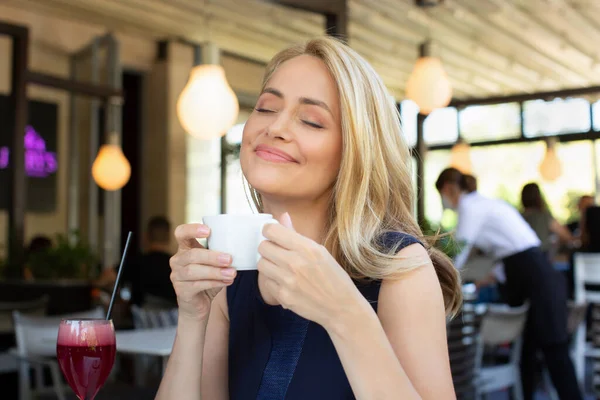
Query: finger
{"points": [[285, 237], [286, 220], [274, 253], [198, 272], [190, 289], [270, 270], [187, 234], [203, 256]]}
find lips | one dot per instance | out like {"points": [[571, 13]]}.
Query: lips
{"points": [[273, 154]]}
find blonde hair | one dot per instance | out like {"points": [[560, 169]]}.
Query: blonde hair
{"points": [[373, 193]]}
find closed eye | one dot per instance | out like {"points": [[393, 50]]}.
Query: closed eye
{"points": [[264, 110], [312, 124]]}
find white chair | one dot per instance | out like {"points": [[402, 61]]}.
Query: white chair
{"points": [[30, 332], [8, 363], [587, 273], [463, 346], [503, 325], [150, 318]]}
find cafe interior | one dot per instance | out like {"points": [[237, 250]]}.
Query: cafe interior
{"points": [[102, 135]]}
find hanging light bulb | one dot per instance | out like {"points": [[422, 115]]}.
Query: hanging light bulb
{"points": [[460, 157], [428, 85], [550, 167], [207, 106], [111, 170]]}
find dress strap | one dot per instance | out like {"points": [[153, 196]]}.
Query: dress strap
{"points": [[398, 240]]}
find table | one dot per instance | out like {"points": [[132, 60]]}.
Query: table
{"points": [[152, 342]]}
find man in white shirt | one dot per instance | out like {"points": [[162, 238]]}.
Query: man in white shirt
{"points": [[497, 229]]}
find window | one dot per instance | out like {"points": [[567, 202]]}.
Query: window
{"points": [[546, 118], [503, 170], [238, 197], [408, 116], [435, 163], [596, 113], [441, 126], [481, 123], [204, 175], [203, 178]]}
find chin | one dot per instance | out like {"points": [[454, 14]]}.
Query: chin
{"points": [[268, 182]]}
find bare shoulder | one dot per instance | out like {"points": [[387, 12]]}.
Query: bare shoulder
{"points": [[422, 276], [411, 311]]}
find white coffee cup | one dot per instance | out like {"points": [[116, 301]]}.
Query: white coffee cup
{"points": [[239, 236]]}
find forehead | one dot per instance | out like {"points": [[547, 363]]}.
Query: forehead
{"points": [[305, 76]]}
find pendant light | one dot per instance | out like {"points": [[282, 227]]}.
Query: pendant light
{"points": [[110, 169], [460, 157], [428, 85], [550, 167], [207, 107]]}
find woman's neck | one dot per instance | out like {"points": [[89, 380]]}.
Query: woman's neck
{"points": [[308, 217]]}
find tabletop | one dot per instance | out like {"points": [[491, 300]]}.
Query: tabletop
{"points": [[153, 342]]}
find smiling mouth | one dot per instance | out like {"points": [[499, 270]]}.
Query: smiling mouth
{"points": [[274, 155]]}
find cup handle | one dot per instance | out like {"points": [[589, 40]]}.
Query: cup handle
{"points": [[260, 235]]}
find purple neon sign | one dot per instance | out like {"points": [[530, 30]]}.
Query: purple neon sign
{"points": [[39, 163]]}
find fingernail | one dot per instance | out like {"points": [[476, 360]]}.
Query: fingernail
{"points": [[203, 230], [224, 259], [228, 273]]}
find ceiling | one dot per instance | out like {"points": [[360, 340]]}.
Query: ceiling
{"points": [[488, 47]]}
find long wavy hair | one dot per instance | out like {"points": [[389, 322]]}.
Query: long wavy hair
{"points": [[373, 193]]}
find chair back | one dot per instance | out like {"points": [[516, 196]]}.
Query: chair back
{"points": [[463, 345], [148, 318], [576, 316], [503, 324], [30, 307], [33, 332], [587, 275]]}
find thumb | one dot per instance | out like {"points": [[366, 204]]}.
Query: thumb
{"points": [[286, 220]]}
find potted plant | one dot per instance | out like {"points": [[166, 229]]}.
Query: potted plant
{"points": [[70, 260]]}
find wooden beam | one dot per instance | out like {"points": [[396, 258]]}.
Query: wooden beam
{"points": [[72, 86], [525, 97], [316, 6]]}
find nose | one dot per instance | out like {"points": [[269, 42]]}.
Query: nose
{"points": [[280, 127]]}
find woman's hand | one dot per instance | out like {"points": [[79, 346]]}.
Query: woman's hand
{"points": [[303, 277], [198, 274]]}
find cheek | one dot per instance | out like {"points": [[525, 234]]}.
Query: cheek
{"points": [[324, 157]]}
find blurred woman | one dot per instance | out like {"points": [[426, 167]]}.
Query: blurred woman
{"points": [[538, 216], [497, 228]]}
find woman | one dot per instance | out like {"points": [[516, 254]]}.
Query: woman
{"points": [[538, 216], [349, 301], [497, 229]]}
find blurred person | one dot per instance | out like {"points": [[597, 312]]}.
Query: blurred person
{"points": [[590, 226], [38, 244], [584, 202], [343, 275], [539, 217], [497, 228], [471, 183], [148, 274]]}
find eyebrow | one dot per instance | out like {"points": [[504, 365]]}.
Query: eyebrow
{"points": [[303, 100]]}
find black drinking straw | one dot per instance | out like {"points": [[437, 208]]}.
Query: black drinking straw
{"points": [[114, 293]]}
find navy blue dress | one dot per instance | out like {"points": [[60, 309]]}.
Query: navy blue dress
{"points": [[274, 354]]}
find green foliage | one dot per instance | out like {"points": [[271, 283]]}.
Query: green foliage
{"points": [[570, 202], [445, 241], [64, 260]]}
